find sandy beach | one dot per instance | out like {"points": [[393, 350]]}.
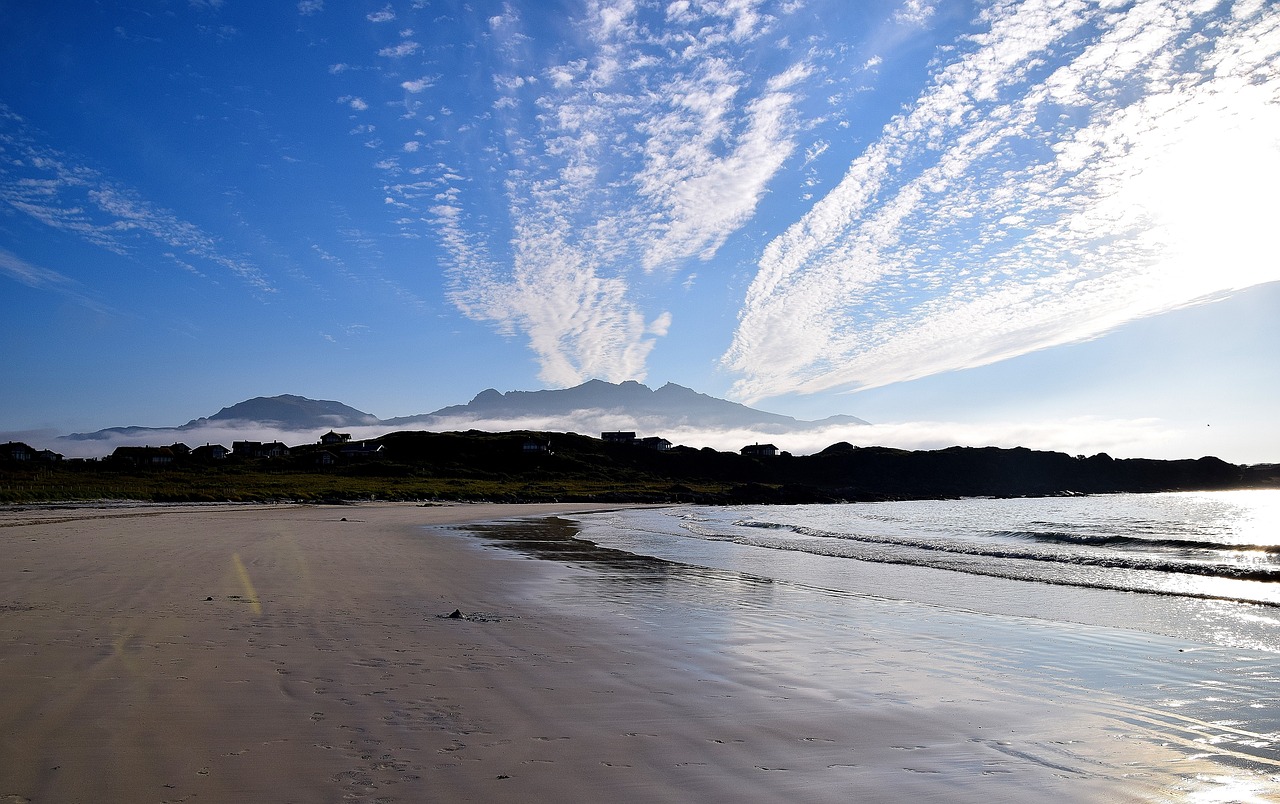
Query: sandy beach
{"points": [[304, 654]]}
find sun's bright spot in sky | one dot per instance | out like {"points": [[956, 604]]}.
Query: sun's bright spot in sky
{"points": [[1209, 187]]}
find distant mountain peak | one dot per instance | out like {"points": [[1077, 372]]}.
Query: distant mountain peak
{"points": [[291, 410], [670, 406], [594, 404]]}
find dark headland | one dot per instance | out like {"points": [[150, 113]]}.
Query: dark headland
{"points": [[526, 466]]}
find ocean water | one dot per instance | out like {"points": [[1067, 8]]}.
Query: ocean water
{"points": [[1139, 633], [1195, 565]]}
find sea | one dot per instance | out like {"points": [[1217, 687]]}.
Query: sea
{"points": [[1156, 615], [1194, 565]]}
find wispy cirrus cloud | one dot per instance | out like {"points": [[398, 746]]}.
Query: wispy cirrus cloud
{"points": [[648, 147], [52, 188], [41, 278], [386, 14], [1072, 168]]}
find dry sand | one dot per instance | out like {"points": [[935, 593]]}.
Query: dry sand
{"points": [[297, 654]]}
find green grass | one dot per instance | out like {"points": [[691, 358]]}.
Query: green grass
{"points": [[84, 482]]}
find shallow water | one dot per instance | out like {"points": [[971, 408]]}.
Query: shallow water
{"points": [[1202, 566], [890, 635]]}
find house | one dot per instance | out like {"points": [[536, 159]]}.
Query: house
{"points": [[618, 437], [324, 458], [143, 456], [534, 445], [210, 453], [331, 438], [180, 450], [362, 450], [655, 443], [257, 449], [17, 451], [760, 450], [48, 455]]}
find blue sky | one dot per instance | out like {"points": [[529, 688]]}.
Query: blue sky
{"points": [[1046, 223]]}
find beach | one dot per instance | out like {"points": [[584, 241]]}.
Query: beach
{"points": [[308, 654]]}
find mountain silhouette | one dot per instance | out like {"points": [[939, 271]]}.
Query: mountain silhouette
{"points": [[669, 407], [626, 405]]}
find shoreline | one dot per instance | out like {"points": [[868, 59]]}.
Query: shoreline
{"points": [[280, 653]]}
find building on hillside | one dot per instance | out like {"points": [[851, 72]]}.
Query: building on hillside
{"points": [[331, 437], [536, 445], [48, 455], [257, 449], [760, 450], [618, 437], [656, 443], [143, 456], [210, 453], [362, 450], [17, 451]]}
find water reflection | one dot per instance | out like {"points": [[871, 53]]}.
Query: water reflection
{"points": [[616, 572], [1216, 707]]}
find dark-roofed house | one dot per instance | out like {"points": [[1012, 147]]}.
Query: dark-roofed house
{"points": [[143, 456], [257, 449], [17, 451], [210, 452], [362, 450], [618, 437], [334, 438], [760, 450], [655, 442]]}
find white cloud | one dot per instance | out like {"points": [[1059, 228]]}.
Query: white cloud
{"points": [[399, 51], [915, 12], [32, 276], [1015, 207], [50, 187], [651, 147], [308, 7], [419, 84], [387, 14]]}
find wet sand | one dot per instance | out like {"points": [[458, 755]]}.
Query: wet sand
{"points": [[255, 653]]}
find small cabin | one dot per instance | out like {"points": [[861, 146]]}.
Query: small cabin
{"points": [[143, 456], [760, 450], [362, 450], [618, 437], [536, 445], [210, 452], [655, 443], [17, 451], [331, 438]]}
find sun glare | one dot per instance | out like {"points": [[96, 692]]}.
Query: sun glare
{"points": [[1209, 186]]}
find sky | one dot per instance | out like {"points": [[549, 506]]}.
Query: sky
{"points": [[1047, 223]]}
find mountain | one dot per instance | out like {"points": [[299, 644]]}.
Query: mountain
{"points": [[669, 407], [593, 406], [292, 412], [284, 412]]}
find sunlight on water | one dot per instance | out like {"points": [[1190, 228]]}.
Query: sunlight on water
{"points": [[1252, 516], [1209, 562]]}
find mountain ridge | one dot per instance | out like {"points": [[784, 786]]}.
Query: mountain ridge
{"points": [[669, 407]]}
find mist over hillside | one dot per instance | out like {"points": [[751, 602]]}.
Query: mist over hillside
{"points": [[680, 414]]}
